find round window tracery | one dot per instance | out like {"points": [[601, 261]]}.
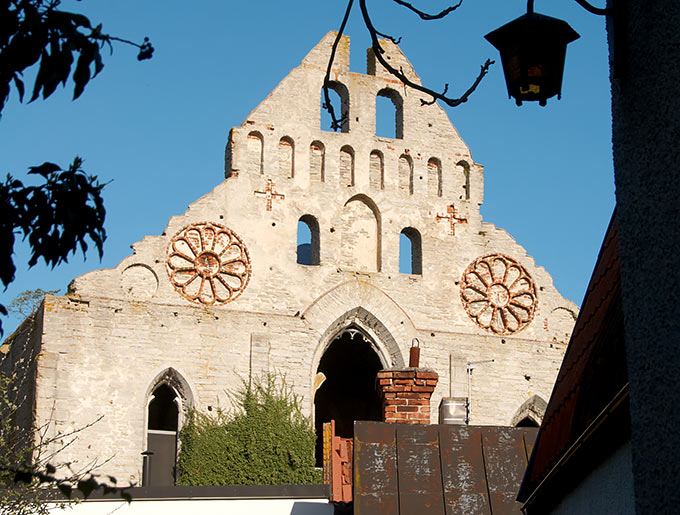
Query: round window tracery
{"points": [[498, 294], [208, 263]]}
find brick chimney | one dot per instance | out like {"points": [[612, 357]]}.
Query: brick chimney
{"points": [[406, 394]]}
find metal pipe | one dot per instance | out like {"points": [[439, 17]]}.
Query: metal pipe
{"points": [[469, 374]]}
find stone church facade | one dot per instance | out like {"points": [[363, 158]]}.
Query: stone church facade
{"points": [[225, 291]]}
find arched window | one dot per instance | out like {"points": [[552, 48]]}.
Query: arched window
{"points": [[255, 152], [389, 114], [162, 428], [466, 179], [376, 171], [530, 413], [527, 422], [434, 177], [360, 246], [406, 174], [168, 400], [308, 241], [317, 162], [346, 166], [339, 96], [410, 252], [286, 157]]}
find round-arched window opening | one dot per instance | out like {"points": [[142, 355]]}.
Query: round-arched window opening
{"points": [[308, 247]]}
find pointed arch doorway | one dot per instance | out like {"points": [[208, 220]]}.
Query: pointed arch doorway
{"points": [[348, 392]]}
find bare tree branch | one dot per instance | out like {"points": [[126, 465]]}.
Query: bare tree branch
{"points": [[379, 51], [425, 16], [335, 122], [396, 41]]}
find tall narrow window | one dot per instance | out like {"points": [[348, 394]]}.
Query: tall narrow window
{"points": [[286, 157], [339, 97], [406, 174], [466, 179], [376, 171], [434, 177], [410, 252], [162, 427], [308, 241], [346, 166], [317, 158], [389, 114], [255, 152]]}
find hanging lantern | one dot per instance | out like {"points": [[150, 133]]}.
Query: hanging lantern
{"points": [[532, 50]]}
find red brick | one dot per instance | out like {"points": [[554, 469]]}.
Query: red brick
{"points": [[418, 402], [404, 375], [407, 409], [413, 395], [399, 388], [429, 389], [431, 382], [427, 375]]}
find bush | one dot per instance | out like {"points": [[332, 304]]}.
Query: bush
{"points": [[267, 441]]}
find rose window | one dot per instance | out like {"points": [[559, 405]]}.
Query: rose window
{"points": [[208, 263], [498, 294]]}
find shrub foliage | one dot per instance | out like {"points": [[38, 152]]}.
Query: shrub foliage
{"points": [[266, 440]]}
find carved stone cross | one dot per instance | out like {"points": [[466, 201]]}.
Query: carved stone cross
{"points": [[269, 194], [452, 216]]}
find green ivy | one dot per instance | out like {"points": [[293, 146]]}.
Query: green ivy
{"points": [[266, 441]]}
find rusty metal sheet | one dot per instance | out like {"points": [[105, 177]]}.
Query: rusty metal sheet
{"points": [[376, 488], [463, 474], [505, 459], [530, 434], [420, 480]]}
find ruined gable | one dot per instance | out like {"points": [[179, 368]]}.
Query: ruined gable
{"points": [[225, 291]]}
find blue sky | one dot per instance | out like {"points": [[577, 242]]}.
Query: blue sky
{"points": [[156, 130]]}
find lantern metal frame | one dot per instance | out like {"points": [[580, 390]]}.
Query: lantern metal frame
{"points": [[533, 52]]}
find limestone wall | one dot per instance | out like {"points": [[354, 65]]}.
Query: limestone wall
{"points": [[219, 294]]}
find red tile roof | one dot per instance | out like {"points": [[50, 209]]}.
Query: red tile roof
{"points": [[593, 371]]}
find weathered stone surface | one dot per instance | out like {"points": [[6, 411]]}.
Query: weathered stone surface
{"points": [[103, 348]]}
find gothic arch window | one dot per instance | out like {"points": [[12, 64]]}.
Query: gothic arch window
{"points": [[255, 152], [317, 162], [406, 174], [466, 179], [389, 107], [346, 166], [339, 96], [410, 252], [286, 157], [527, 422], [308, 248], [376, 170], [434, 177], [167, 403], [530, 413]]}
